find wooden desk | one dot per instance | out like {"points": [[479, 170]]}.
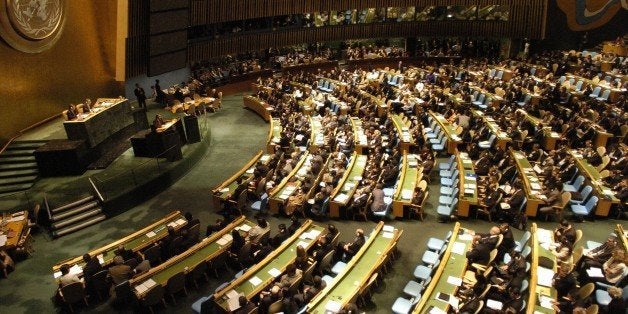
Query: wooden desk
{"points": [[12, 228], [453, 140], [227, 187], [345, 286], [405, 137], [611, 47], [281, 193], [343, 193], [382, 107], [606, 196], [540, 250], [621, 234], [107, 117], [279, 259], [410, 174], [468, 194], [360, 142], [185, 106], [274, 135], [206, 250], [262, 108], [451, 264], [501, 137], [317, 133], [550, 137], [531, 184], [136, 241]]}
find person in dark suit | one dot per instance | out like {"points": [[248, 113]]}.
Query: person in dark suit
{"points": [[269, 297], [295, 225], [191, 220], [564, 281], [92, 266], [565, 231], [281, 236], [160, 96], [245, 306], [514, 202], [158, 122], [140, 94], [483, 244], [350, 249], [508, 242], [71, 112]]}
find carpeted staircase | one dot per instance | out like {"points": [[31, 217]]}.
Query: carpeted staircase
{"points": [[75, 216], [18, 168]]}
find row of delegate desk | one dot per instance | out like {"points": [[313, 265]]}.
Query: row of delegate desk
{"points": [[205, 251], [136, 242], [541, 290], [262, 274], [348, 284], [453, 140], [453, 263], [533, 187]]}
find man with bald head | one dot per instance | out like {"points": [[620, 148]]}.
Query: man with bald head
{"points": [[483, 244], [348, 250]]}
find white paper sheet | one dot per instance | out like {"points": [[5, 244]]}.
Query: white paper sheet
{"points": [[458, 248], [454, 280], [255, 281], [545, 276], [595, 272]]}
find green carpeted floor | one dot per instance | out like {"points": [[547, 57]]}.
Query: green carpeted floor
{"points": [[236, 136]]}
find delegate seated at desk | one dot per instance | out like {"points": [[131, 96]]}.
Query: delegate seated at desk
{"points": [[71, 113], [158, 122]]}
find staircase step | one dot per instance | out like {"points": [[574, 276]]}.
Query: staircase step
{"points": [[15, 188], [84, 224], [26, 145], [17, 180], [17, 173], [76, 219], [16, 159], [18, 152], [74, 211], [73, 204], [19, 166]]}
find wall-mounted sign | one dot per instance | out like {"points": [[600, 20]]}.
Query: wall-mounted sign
{"points": [[32, 25], [583, 15]]}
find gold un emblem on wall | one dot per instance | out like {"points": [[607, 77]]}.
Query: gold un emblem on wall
{"points": [[32, 25]]}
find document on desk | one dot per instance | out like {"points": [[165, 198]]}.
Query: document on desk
{"points": [[255, 281], [595, 272], [545, 276], [302, 244], [458, 248], [231, 294], [545, 301], [388, 235], [233, 303], [454, 280], [151, 234], [274, 272], [436, 310], [244, 228], [3, 239], [333, 307]]}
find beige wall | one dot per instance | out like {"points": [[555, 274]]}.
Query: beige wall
{"points": [[80, 65]]}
